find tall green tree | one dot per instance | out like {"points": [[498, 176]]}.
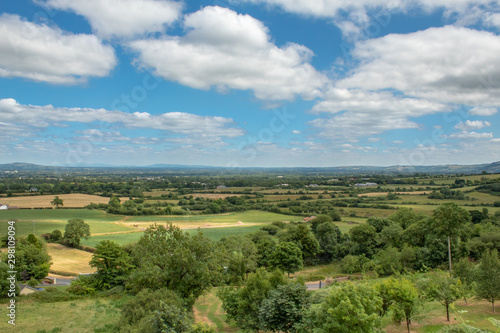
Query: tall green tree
{"points": [[284, 309], [241, 256], [32, 259], [243, 304], [364, 237], [75, 229], [328, 235], [488, 277], [112, 263], [449, 220], [169, 257], [301, 235], [349, 308], [287, 257]]}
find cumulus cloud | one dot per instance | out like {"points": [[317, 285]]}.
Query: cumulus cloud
{"points": [[227, 50], [472, 124], [449, 64], [480, 111], [355, 17], [46, 54], [470, 135], [207, 127], [122, 18], [362, 113]]}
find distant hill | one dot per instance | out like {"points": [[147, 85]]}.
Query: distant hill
{"points": [[397, 169]]}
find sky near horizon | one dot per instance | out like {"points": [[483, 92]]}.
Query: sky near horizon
{"points": [[250, 82]]}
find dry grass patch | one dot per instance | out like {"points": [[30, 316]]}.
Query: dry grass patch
{"points": [[66, 259], [43, 201]]}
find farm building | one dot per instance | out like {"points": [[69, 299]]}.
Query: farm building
{"points": [[3, 207]]}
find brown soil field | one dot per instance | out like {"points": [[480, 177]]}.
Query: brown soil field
{"points": [[69, 200]]}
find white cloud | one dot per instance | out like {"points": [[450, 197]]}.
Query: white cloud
{"points": [[122, 18], [472, 124], [480, 111], [45, 54], [296, 132], [470, 135], [449, 65], [363, 113], [203, 127], [354, 17], [227, 50]]}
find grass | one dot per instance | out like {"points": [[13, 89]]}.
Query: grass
{"points": [[432, 317], [23, 228], [58, 214], [214, 234], [69, 260], [83, 316], [251, 216], [208, 309]]}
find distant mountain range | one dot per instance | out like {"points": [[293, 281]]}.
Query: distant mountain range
{"points": [[398, 169]]}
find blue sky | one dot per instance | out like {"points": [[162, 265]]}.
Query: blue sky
{"points": [[250, 83]]}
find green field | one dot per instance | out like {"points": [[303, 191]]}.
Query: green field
{"points": [[82, 316], [214, 234], [251, 216], [23, 228], [58, 214]]}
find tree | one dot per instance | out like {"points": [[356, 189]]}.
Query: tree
{"points": [[328, 235], [114, 205], [112, 262], [243, 304], [301, 235], [448, 220], [4, 282], [284, 309], [444, 289], [57, 202], [31, 258], [287, 257], [464, 270], [241, 257], [405, 300], [74, 230], [488, 277], [171, 258], [364, 238], [349, 308]]}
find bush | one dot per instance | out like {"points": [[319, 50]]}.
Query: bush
{"points": [[56, 235], [84, 285], [33, 282]]}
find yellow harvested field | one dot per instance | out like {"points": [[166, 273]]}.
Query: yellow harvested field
{"points": [[68, 260], [42, 201]]}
